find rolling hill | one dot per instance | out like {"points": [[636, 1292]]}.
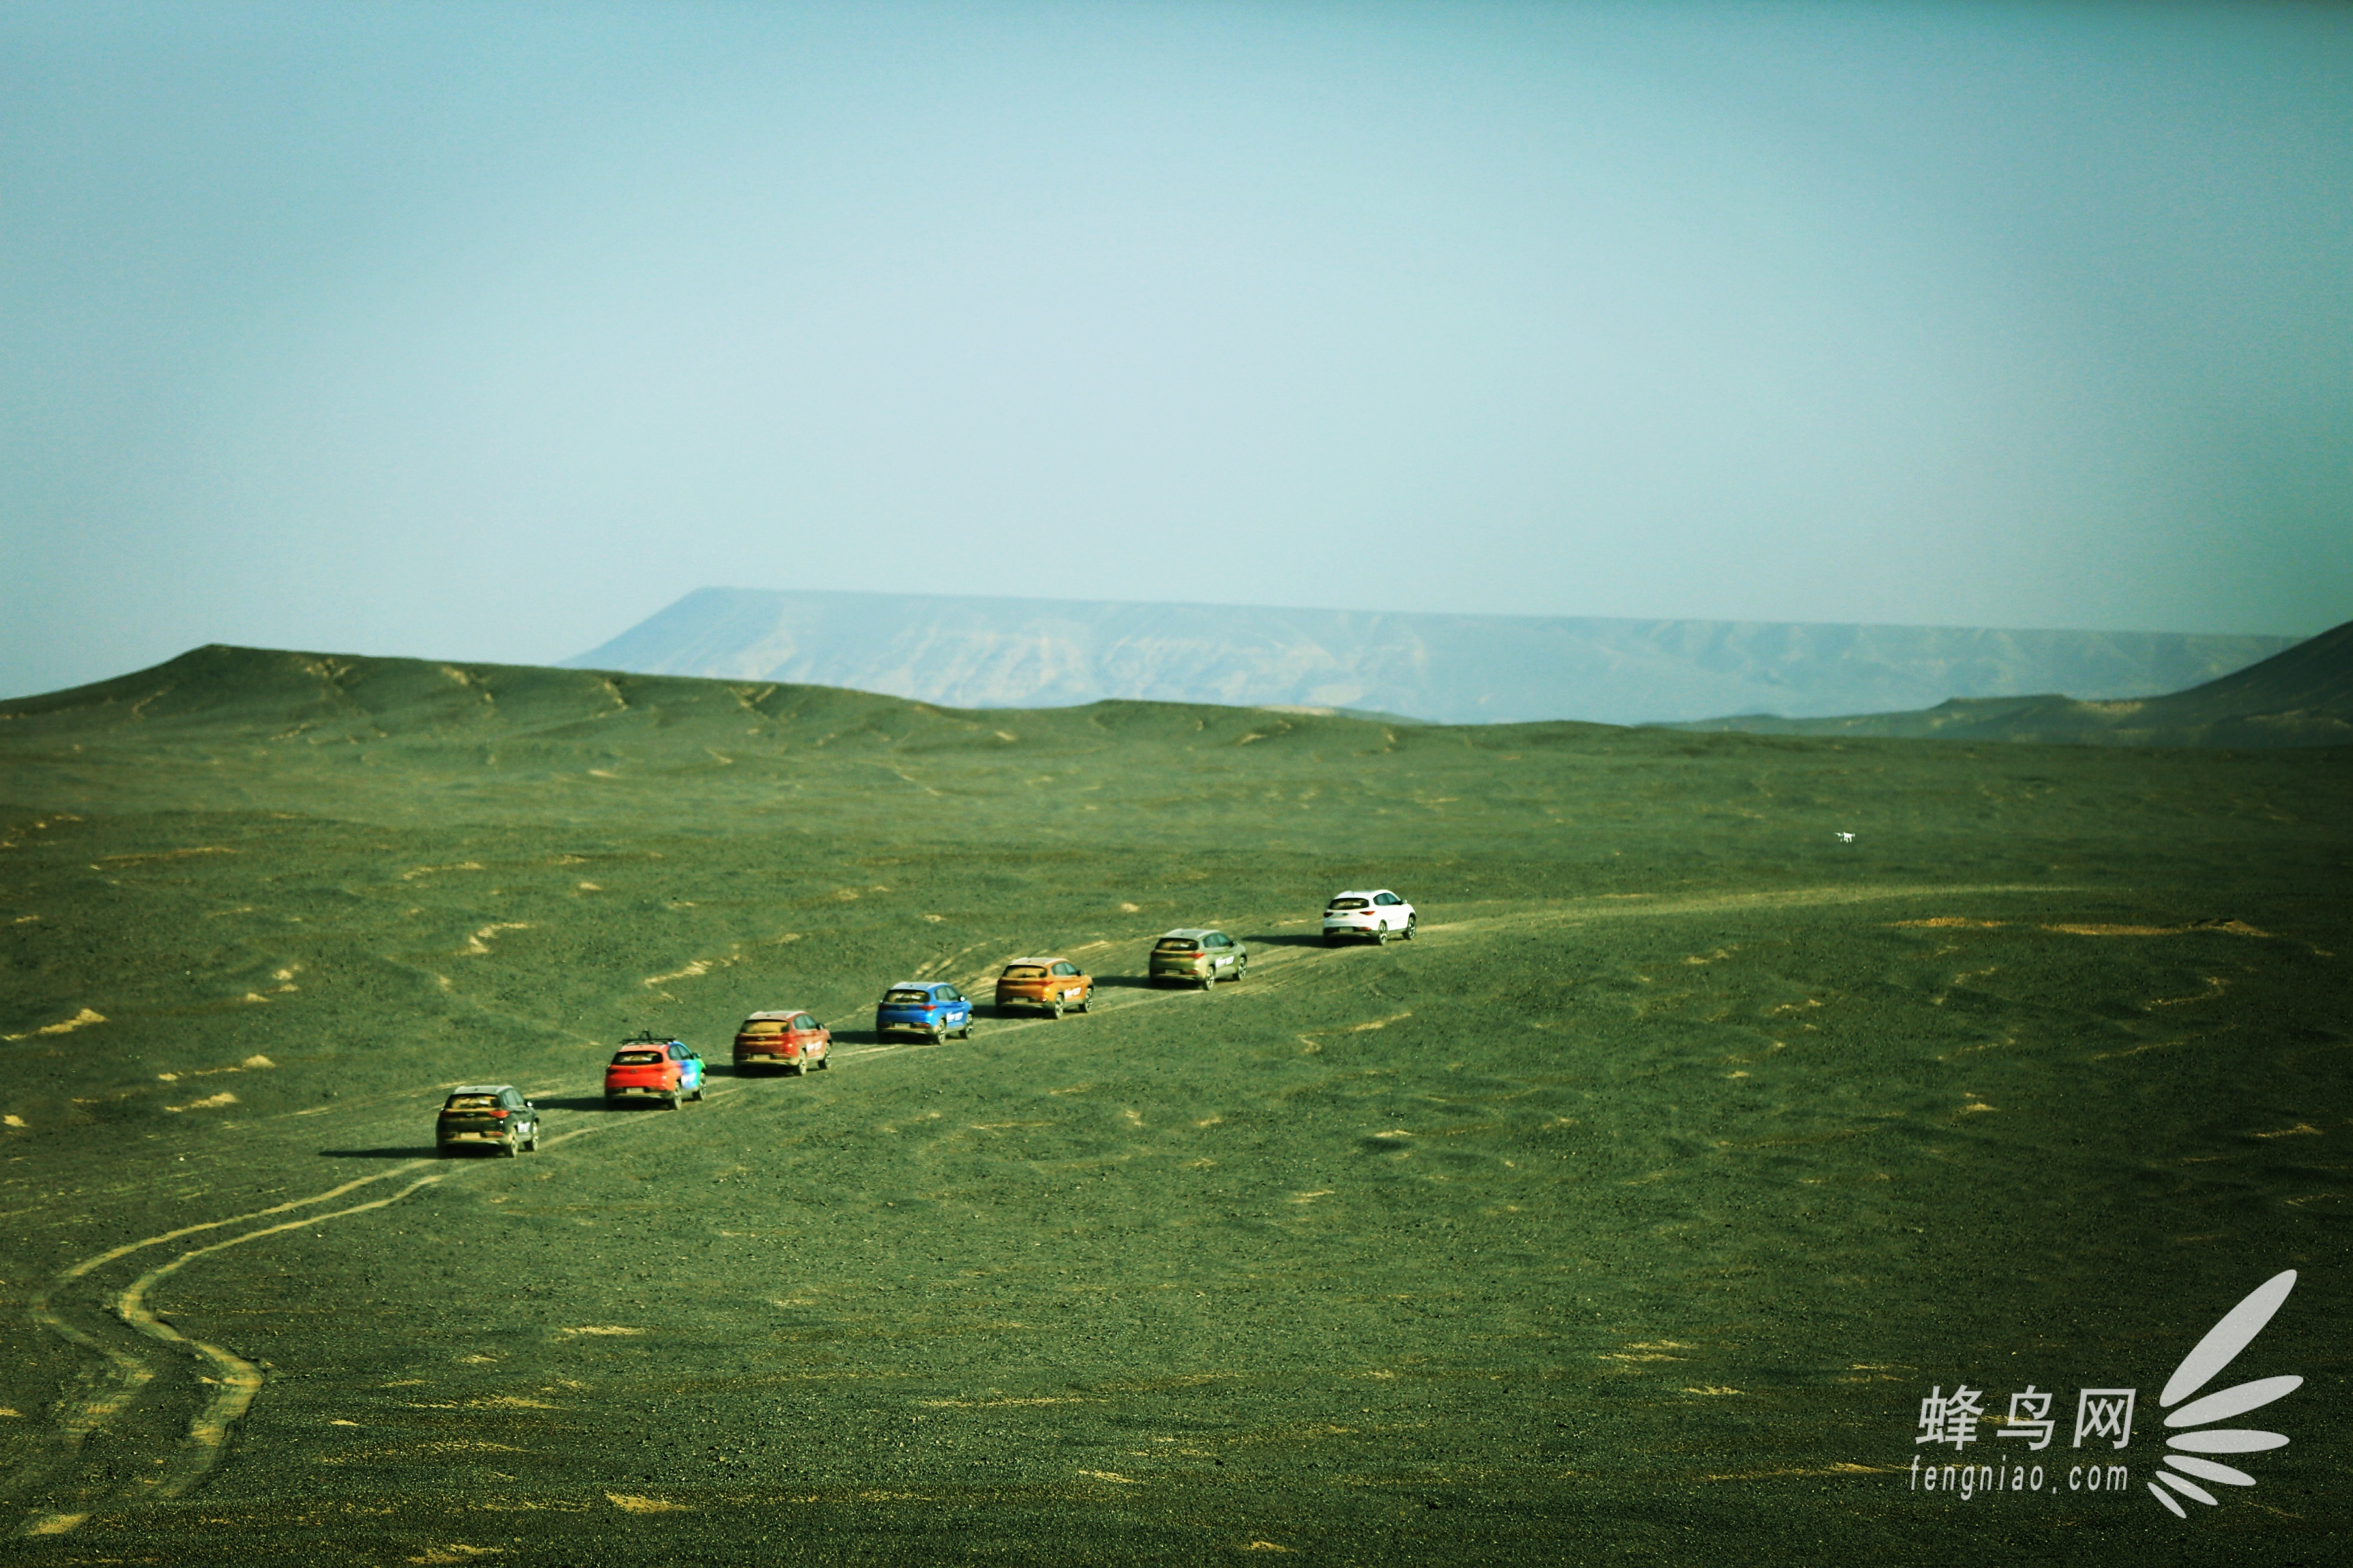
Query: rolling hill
{"points": [[2302, 697], [983, 652]]}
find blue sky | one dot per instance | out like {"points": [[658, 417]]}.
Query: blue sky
{"points": [[484, 331]]}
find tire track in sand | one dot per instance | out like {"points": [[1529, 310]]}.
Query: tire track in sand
{"points": [[1629, 906], [105, 1393], [239, 1380]]}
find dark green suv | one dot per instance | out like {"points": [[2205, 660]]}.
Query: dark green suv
{"points": [[487, 1115]]}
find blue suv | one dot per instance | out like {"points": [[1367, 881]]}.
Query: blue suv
{"points": [[932, 1008]]}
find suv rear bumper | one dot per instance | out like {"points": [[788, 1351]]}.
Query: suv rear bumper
{"points": [[479, 1140], [1045, 1000]]}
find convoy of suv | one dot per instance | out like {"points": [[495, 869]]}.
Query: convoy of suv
{"points": [[671, 1073]]}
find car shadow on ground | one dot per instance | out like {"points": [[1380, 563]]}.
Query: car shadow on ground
{"points": [[1123, 982], [401, 1151], [1285, 940], [586, 1102]]}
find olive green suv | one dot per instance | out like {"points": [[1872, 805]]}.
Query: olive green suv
{"points": [[1195, 955]]}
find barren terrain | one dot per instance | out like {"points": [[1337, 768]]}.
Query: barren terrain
{"points": [[1629, 1213]]}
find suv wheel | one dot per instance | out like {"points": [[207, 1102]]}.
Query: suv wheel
{"points": [[1408, 927]]}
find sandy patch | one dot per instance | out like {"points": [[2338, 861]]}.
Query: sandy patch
{"points": [[108, 861], [480, 941], [2236, 928]]}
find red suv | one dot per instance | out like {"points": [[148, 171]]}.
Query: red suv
{"points": [[793, 1041], [659, 1068]]}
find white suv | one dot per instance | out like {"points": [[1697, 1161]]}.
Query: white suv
{"points": [[1375, 913]]}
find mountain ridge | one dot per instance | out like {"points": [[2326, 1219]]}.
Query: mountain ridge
{"points": [[974, 652], [2301, 696]]}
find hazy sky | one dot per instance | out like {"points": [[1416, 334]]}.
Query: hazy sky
{"points": [[484, 331]]}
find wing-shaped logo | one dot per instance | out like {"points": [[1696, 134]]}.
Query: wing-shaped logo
{"points": [[2202, 1367]]}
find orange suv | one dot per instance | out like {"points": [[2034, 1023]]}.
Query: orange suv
{"points": [[1051, 984]]}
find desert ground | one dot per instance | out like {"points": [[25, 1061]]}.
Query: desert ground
{"points": [[1629, 1213]]}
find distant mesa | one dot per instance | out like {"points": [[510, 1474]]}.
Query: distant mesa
{"points": [[2302, 697], [973, 652]]}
